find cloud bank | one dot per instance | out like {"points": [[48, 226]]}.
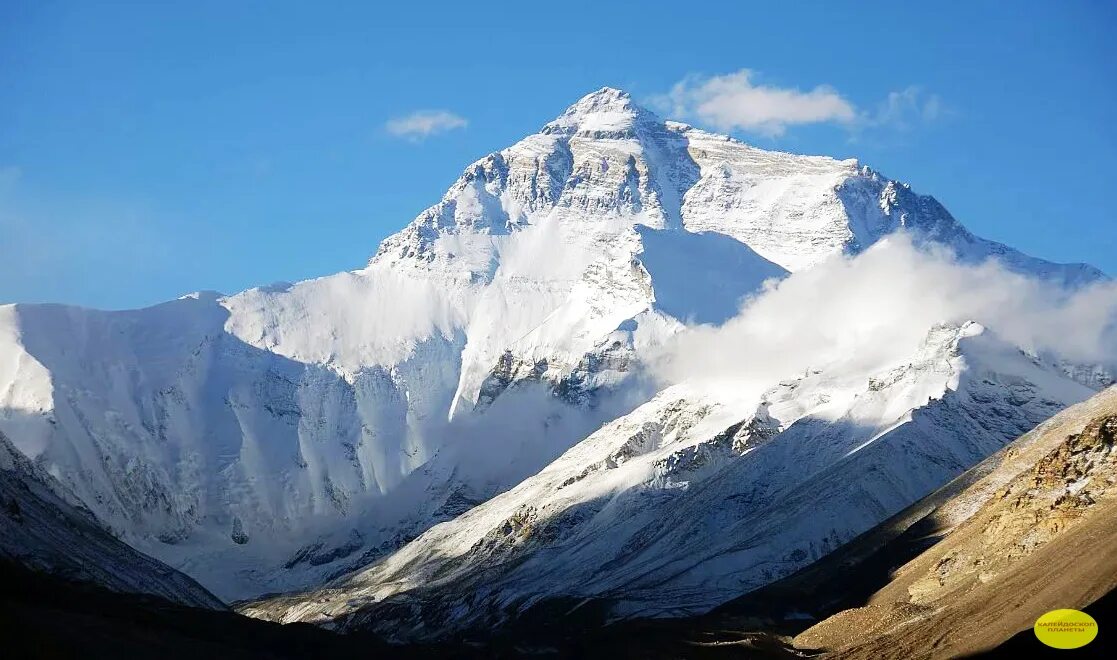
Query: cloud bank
{"points": [[424, 123], [869, 311], [735, 101]]}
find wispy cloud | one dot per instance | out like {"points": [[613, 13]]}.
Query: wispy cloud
{"points": [[907, 108], [422, 124], [735, 102]]}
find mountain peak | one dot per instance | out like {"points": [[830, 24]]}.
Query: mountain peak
{"points": [[605, 96], [607, 112]]}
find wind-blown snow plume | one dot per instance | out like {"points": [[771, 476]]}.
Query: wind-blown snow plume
{"points": [[874, 308]]}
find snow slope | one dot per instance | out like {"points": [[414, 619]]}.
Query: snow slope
{"points": [[695, 497], [274, 438]]}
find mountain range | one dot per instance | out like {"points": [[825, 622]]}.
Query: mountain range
{"points": [[474, 426]]}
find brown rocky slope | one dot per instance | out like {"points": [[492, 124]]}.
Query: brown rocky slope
{"points": [[1031, 529]]}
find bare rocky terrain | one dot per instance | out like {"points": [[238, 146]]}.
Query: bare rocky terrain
{"points": [[1031, 529]]}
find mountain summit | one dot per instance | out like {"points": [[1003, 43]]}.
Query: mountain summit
{"points": [[606, 156], [608, 112], [285, 435]]}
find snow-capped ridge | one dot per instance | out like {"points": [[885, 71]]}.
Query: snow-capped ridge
{"points": [[607, 113], [207, 295]]}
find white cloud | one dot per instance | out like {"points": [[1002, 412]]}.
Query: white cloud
{"points": [[735, 102], [857, 314], [424, 123]]}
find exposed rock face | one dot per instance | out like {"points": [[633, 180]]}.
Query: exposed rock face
{"points": [[1032, 531], [582, 384], [1032, 511]]}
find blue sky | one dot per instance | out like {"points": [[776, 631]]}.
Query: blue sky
{"points": [[146, 152]]}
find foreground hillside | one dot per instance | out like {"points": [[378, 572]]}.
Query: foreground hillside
{"points": [[1032, 529]]}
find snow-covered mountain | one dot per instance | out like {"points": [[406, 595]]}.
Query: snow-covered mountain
{"points": [[697, 497], [282, 436]]}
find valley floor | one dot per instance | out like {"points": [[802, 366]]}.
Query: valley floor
{"points": [[43, 617]]}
